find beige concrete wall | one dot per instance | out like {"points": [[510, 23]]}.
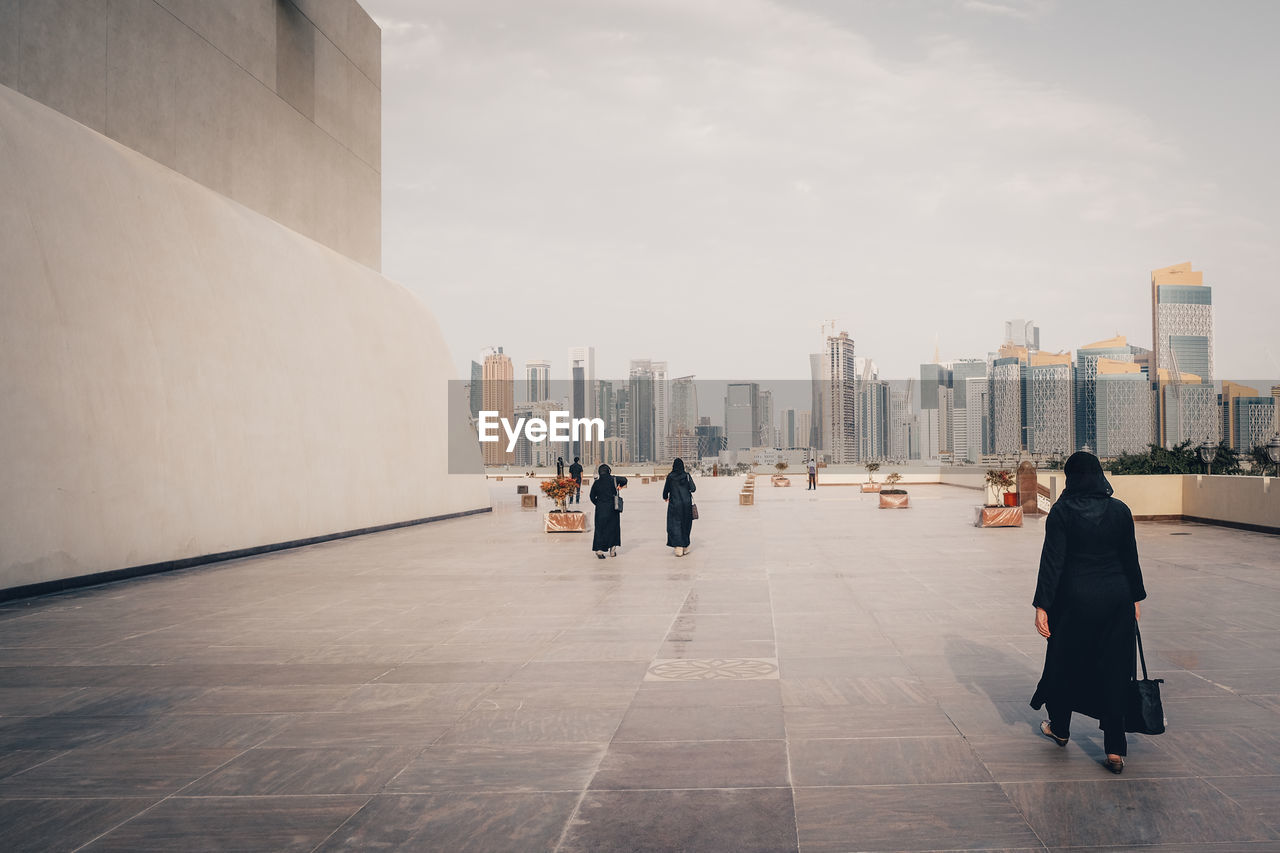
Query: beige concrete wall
{"points": [[1240, 500], [1148, 494], [181, 376], [276, 104]]}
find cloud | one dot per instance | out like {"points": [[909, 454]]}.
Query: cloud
{"points": [[721, 154]]}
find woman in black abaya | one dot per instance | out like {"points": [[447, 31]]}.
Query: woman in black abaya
{"points": [[1086, 604], [608, 532], [678, 493]]}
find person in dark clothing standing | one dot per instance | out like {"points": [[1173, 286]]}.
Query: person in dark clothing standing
{"points": [[678, 493], [608, 533], [813, 476], [575, 471], [1087, 608], [559, 467]]}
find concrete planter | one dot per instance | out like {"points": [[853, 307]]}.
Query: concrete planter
{"points": [[870, 487], [889, 500]]}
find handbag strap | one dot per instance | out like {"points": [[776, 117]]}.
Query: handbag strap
{"points": [[1137, 633]]}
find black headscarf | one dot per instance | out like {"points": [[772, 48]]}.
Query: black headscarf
{"points": [[1084, 477], [607, 485], [677, 465]]}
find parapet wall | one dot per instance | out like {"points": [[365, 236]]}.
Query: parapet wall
{"points": [[182, 376], [274, 103]]}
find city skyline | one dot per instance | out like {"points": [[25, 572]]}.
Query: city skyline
{"points": [[758, 169]]}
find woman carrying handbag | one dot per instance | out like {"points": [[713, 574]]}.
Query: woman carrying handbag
{"points": [[608, 503], [1086, 603], [678, 493]]}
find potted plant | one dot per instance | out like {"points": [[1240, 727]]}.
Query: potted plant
{"points": [[871, 485], [999, 483], [778, 478], [893, 497], [559, 489]]}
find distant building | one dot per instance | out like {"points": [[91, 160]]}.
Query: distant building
{"points": [[840, 433], [498, 377], [767, 430], [1182, 343], [1254, 421], [711, 439], [1005, 399], [1022, 333], [1122, 409], [641, 442], [537, 379], [582, 394], [1050, 404], [742, 415], [820, 391], [1115, 349], [966, 443], [475, 389], [977, 419]]}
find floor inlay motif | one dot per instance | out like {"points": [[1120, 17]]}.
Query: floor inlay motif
{"points": [[708, 669]]}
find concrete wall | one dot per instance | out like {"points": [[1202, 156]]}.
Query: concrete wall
{"points": [[1239, 500], [276, 104], [1147, 494], [181, 376]]}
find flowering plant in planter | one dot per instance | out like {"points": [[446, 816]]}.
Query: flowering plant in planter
{"points": [[559, 489], [999, 480]]}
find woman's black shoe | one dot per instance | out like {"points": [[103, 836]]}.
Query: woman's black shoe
{"points": [[1048, 732]]}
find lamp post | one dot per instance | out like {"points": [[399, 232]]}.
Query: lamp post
{"points": [[1207, 451], [1273, 451]]}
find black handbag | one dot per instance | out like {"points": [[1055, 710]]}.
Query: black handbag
{"points": [[1143, 713], [694, 507], [617, 503]]}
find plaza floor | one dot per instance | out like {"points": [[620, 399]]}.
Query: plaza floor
{"points": [[817, 674]]}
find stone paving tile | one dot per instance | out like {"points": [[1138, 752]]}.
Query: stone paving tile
{"points": [[420, 689], [41, 825], [238, 823], [459, 823]]}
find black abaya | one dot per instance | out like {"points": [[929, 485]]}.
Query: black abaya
{"points": [[1089, 580], [678, 493], [608, 521]]}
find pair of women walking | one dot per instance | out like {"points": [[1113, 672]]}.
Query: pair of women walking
{"points": [[677, 492]]}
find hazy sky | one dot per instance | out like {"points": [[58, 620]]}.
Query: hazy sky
{"points": [[708, 181]]}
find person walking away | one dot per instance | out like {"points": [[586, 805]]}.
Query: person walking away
{"points": [[813, 476], [559, 467], [608, 520], [575, 471], [678, 491], [1086, 602]]}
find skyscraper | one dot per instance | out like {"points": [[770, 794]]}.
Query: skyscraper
{"points": [[582, 394], [1122, 409], [1115, 349], [1050, 404], [804, 429], [498, 377], [841, 430], [1006, 405], [742, 415], [766, 429], [1182, 344], [820, 404], [661, 406], [965, 444], [640, 380], [475, 389], [537, 375], [683, 418], [1022, 333]]}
